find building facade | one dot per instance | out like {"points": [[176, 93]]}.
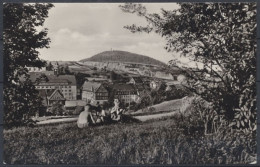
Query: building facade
{"points": [[36, 69], [65, 83], [94, 91], [126, 93], [52, 96]]}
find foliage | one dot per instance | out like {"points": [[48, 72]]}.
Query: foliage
{"points": [[49, 67], [159, 95], [211, 34], [144, 101], [113, 76], [67, 70], [57, 109], [175, 93], [80, 78], [22, 40], [78, 110]]}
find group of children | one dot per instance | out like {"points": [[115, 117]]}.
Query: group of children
{"points": [[87, 116]]}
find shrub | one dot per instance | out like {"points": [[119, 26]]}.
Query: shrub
{"points": [[78, 110]]}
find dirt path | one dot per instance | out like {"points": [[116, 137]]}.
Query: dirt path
{"points": [[61, 120], [155, 116]]}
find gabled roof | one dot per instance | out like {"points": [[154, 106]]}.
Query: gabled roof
{"points": [[137, 79], [56, 92], [91, 86], [123, 87], [141, 87], [70, 79], [48, 94], [96, 79]]}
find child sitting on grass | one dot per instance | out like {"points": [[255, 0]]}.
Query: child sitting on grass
{"points": [[85, 117]]}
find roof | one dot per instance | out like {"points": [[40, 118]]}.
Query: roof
{"points": [[96, 79], [70, 79], [123, 87], [43, 72], [47, 94], [51, 93], [137, 79], [91, 86], [141, 87]]}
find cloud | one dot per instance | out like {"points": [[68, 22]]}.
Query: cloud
{"points": [[79, 31]]}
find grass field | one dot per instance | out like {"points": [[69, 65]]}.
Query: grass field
{"points": [[153, 142], [164, 107]]}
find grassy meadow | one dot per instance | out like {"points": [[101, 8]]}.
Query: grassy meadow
{"points": [[164, 141]]}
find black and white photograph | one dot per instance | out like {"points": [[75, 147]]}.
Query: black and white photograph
{"points": [[129, 83]]}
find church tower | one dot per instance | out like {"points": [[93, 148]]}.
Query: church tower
{"points": [[56, 69]]}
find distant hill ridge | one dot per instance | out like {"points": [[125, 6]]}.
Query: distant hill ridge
{"points": [[123, 56]]}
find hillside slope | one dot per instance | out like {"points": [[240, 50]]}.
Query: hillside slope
{"points": [[123, 56]]}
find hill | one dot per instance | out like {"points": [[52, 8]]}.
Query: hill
{"points": [[123, 56]]}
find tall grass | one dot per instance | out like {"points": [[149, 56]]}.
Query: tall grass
{"points": [[165, 141]]}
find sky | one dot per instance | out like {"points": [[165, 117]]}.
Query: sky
{"points": [[81, 30]]}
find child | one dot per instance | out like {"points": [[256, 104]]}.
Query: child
{"points": [[85, 117]]}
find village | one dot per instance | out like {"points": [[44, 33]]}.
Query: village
{"points": [[129, 83], [66, 92]]}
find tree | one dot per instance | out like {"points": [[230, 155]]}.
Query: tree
{"points": [[81, 78], [159, 95], [49, 67], [21, 42], [61, 70], [222, 38], [67, 70], [57, 109], [113, 76]]}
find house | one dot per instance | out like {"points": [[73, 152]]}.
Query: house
{"points": [[126, 93], [97, 79], [36, 69], [164, 75], [51, 96], [136, 80], [139, 84], [42, 72], [94, 91], [65, 83]]}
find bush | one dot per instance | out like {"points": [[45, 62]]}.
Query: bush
{"points": [[78, 110]]}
